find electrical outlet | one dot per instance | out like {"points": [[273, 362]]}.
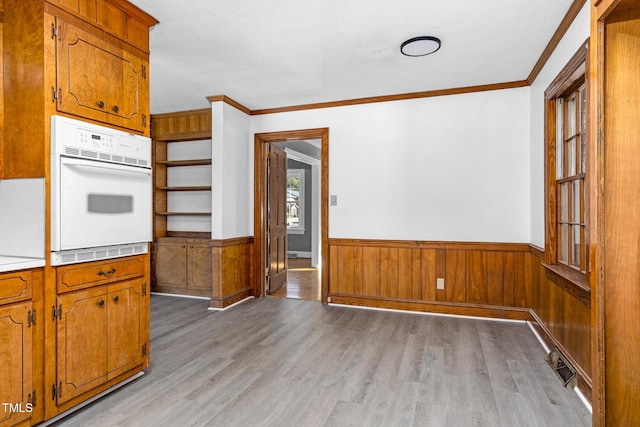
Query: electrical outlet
{"points": [[333, 200], [440, 283]]}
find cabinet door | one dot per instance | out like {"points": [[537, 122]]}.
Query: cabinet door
{"points": [[126, 83], [15, 363], [100, 81], [81, 342], [81, 64], [125, 332], [171, 264], [199, 266]]}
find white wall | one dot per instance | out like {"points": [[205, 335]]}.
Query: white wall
{"points": [[22, 213], [452, 168], [232, 188], [571, 42]]}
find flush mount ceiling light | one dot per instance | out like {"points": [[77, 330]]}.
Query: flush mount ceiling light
{"points": [[420, 46]]}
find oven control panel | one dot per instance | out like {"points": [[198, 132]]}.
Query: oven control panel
{"points": [[95, 140], [75, 138]]}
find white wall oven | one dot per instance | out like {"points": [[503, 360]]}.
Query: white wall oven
{"points": [[101, 194]]}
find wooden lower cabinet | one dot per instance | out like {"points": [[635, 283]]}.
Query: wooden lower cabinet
{"points": [[99, 332], [21, 330], [183, 266], [16, 368], [99, 336]]}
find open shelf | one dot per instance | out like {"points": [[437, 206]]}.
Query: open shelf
{"points": [[192, 188], [190, 162], [184, 213]]}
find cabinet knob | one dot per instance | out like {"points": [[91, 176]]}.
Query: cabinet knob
{"points": [[115, 108], [101, 104], [101, 302], [115, 299], [184, 246], [191, 247]]}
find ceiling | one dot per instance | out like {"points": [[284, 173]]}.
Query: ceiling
{"points": [[279, 53]]}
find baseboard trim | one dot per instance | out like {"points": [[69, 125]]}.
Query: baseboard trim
{"points": [[428, 313], [164, 294], [229, 306], [457, 309], [228, 300], [545, 336]]}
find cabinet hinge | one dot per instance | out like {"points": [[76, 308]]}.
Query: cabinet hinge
{"points": [[56, 312], [144, 71], [55, 31], [56, 391], [32, 399], [144, 289], [31, 318], [55, 94], [144, 349], [144, 120]]}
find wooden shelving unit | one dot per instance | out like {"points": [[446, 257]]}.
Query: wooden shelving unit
{"points": [[182, 258]]}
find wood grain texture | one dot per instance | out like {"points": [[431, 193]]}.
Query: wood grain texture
{"points": [[181, 126], [564, 320], [232, 272], [274, 361], [474, 273], [619, 280]]}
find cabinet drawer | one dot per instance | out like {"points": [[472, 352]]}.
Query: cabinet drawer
{"points": [[15, 287], [80, 276]]}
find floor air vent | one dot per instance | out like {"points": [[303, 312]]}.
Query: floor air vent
{"points": [[562, 368]]}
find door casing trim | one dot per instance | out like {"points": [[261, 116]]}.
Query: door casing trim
{"points": [[261, 141]]}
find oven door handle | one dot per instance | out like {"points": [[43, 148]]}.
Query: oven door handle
{"points": [[104, 167]]}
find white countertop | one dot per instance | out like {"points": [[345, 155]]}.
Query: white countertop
{"points": [[12, 263]]}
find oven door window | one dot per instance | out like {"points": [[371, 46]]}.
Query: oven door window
{"points": [[103, 204]]}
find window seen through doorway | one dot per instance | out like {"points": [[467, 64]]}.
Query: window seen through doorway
{"points": [[295, 201]]}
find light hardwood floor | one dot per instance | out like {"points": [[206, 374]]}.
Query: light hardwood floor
{"points": [[303, 281], [286, 362]]}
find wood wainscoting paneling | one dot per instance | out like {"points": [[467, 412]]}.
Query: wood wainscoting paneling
{"points": [[232, 271], [480, 279], [562, 319]]}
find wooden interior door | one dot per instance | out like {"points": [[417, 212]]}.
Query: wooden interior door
{"points": [[277, 219]]}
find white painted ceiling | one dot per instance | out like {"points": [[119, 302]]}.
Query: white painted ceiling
{"points": [[276, 53]]}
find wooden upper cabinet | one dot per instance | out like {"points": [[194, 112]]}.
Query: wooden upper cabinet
{"points": [[100, 81], [117, 17]]}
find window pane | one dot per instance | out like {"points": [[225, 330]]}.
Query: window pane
{"points": [[577, 195], [576, 244], [563, 253], [583, 108], [559, 139], [563, 206], [583, 153], [572, 157], [571, 114], [293, 201]]}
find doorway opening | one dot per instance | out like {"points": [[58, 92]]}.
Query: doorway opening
{"points": [[279, 214]]}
